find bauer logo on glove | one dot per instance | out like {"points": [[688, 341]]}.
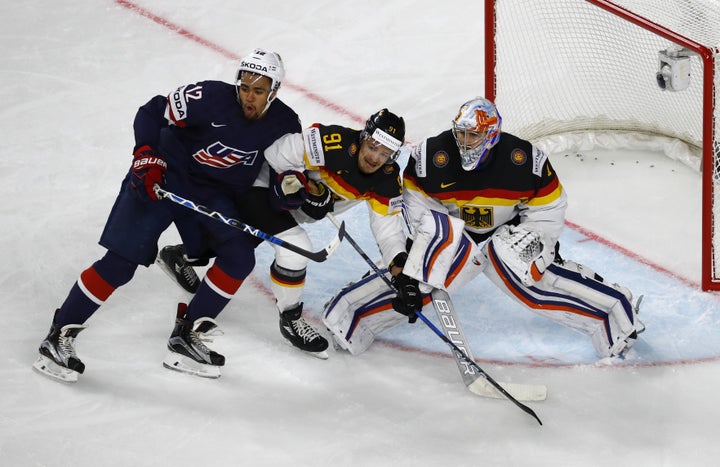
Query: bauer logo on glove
{"points": [[319, 200], [148, 170]]}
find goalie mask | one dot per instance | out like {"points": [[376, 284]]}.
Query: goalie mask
{"points": [[386, 128], [476, 129], [264, 63]]}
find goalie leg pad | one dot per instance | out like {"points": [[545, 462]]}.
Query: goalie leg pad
{"points": [[621, 327], [360, 311], [574, 296], [440, 252]]}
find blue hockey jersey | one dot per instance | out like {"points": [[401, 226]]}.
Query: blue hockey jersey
{"points": [[207, 137]]}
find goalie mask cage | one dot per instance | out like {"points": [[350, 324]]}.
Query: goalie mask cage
{"points": [[626, 73]]}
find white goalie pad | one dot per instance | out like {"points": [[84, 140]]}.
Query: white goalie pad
{"points": [[360, 311], [436, 242], [621, 325], [573, 295]]}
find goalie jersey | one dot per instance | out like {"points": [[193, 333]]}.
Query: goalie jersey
{"points": [[516, 185]]}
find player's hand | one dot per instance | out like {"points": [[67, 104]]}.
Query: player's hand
{"points": [[408, 299], [289, 190], [319, 200], [148, 169]]}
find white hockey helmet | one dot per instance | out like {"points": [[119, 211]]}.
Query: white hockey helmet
{"points": [[476, 129], [264, 63]]}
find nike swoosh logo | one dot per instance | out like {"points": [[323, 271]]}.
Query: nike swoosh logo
{"points": [[217, 125], [445, 185]]}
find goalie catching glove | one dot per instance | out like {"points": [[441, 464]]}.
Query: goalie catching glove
{"points": [[318, 204], [525, 252]]}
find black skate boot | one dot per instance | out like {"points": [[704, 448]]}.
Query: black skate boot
{"points": [[57, 354], [187, 350], [173, 261], [300, 334]]}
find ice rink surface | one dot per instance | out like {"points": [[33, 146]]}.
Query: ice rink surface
{"points": [[74, 73]]}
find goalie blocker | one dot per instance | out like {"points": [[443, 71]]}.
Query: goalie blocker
{"points": [[516, 260]]}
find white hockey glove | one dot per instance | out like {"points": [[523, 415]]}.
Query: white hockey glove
{"points": [[527, 253]]}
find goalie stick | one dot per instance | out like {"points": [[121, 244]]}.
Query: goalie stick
{"points": [[466, 363], [474, 377], [471, 374], [317, 256]]}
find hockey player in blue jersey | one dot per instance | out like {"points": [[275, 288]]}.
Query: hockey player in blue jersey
{"points": [[344, 167], [204, 141]]}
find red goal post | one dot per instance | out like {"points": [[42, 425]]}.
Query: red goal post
{"points": [[624, 73]]}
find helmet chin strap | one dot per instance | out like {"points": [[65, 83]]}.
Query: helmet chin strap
{"points": [[271, 97]]}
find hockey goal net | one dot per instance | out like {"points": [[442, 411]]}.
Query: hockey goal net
{"points": [[570, 74]]}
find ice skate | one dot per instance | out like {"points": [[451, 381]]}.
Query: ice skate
{"points": [[57, 358], [174, 263], [300, 334], [187, 351]]}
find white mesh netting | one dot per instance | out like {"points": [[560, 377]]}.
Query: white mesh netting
{"points": [[570, 75]]}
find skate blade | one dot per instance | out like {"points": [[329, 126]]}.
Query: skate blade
{"points": [[322, 355], [176, 362], [49, 368]]}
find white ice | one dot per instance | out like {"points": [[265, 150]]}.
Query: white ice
{"points": [[73, 75]]}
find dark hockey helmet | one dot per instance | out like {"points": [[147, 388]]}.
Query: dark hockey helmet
{"points": [[387, 129], [476, 129]]}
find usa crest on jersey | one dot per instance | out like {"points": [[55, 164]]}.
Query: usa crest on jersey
{"points": [[221, 156]]}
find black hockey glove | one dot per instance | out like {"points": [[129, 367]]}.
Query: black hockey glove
{"points": [[408, 298], [316, 206], [288, 190]]}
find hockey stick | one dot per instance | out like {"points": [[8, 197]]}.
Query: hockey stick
{"points": [[476, 383], [317, 256], [459, 354]]}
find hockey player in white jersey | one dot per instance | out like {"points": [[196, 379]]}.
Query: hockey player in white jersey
{"points": [[478, 200], [329, 169]]}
